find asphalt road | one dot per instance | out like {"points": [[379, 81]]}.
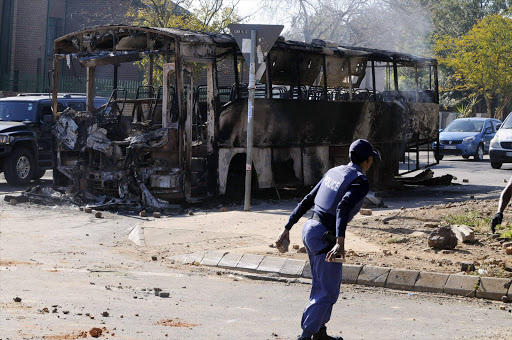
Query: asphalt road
{"points": [[65, 260]]}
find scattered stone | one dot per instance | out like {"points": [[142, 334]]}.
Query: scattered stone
{"points": [[506, 245], [472, 196], [446, 251], [302, 250], [430, 225], [271, 245], [65, 312], [13, 201], [46, 310], [465, 180], [387, 252], [88, 210], [296, 246], [81, 208], [503, 307], [154, 258], [164, 294], [190, 213], [95, 332], [157, 214], [223, 209], [442, 238], [508, 251], [467, 267], [98, 214], [366, 212], [17, 299], [105, 314], [143, 213], [504, 298], [464, 233], [54, 310]]}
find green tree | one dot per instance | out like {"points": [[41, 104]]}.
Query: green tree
{"points": [[482, 61]]}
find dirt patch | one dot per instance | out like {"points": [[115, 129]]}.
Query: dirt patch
{"points": [[175, 323], [8, 263], [403, 239]]}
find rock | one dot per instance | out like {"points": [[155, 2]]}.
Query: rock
{"points": [[13, 201], [157, 214], [105, 314], [223, 209], [445, 251], [506, 245], [442, 238], [65, 312], [366, 212], [302, 250], [508, 251], [271, 245], [164, 294], [296, 246], [504, 298], [95, 332], [467, 267], [430, 225], [464, 233], [143, 213], [88, 210], [465, 180], [190, 213], [387, 252], [98, 214], [17, 299], [503, 308], [154, 258]]}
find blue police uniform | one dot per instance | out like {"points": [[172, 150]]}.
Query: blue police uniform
{"points": [[335, 200]]}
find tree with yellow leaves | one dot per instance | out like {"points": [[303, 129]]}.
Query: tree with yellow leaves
{"points": [[482, 60]]}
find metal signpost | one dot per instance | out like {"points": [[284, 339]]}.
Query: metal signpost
{"points": [[255, 41]]}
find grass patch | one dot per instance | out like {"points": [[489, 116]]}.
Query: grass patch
{"points": [[475, 220], [392, 240]]}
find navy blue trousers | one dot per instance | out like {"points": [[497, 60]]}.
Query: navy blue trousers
{"points": [[326, 279]]}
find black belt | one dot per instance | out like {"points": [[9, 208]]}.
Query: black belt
{"points": [[316, 217]]}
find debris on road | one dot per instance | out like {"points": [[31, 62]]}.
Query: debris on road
{"points": [[17, 299], [98, 214], [442, 238], [463, 233], [95, 332], [426, 178]]}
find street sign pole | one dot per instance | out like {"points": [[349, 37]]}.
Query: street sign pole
{"points": [[250, 107]]}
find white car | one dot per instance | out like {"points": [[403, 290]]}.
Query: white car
{"points": [[500, 150]]}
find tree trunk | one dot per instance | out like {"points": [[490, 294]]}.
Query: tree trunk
{"points": [[488, 104]]}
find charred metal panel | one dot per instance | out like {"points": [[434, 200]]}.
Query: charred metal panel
{"points": [[282, 122], [315, 163], [287, 166]]}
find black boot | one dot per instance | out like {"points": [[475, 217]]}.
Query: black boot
{"points": [[322, 335]]}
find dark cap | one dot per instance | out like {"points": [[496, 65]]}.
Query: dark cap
{"points": [[361, 149]]}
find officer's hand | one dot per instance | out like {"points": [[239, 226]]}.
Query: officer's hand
{"points": [[285, 235], [338, 249], [497, 219]]}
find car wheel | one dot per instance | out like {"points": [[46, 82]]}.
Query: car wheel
{"points": [[496, 165], [479, 155], [438, 157], [465, 157], [19, 169]]}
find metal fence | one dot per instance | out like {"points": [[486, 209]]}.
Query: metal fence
{"points": [[70, 84]]}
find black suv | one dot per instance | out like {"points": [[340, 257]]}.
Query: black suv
{"points": [[26, 149]]}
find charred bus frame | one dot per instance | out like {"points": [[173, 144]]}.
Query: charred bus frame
{"points": [[312, 102]]}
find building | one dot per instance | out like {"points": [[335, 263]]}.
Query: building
{"points": [[28, 29]]}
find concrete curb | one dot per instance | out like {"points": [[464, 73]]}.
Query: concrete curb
{"points": [[403, 279]]}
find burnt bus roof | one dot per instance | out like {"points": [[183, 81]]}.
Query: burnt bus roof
{"points": [[132, 39]]}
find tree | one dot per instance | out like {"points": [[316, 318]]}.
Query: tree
{"points": [[207, 15], [482, 61]]}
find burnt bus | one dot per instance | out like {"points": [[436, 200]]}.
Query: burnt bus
{"points": [[183, 136]]}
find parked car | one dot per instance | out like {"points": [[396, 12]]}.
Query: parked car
{"points": [[501, 145], [467, 137], [26, 149]]}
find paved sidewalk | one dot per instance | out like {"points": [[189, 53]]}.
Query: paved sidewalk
{"points": [[394, 278]]}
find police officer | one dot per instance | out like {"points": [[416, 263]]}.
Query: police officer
{"points": [[335, 200], [506, 194]]}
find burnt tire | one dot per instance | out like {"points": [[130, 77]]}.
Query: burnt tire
{"points": [[479, 154], [496, 165], [19, 167]]}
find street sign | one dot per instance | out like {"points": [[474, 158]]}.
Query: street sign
{"points": [[266, 38]]}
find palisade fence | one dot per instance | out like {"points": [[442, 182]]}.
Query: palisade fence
{"points": [[28, 83]]}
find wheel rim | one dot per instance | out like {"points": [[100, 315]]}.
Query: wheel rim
{"points": [[480, 152], [23, 167]]}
